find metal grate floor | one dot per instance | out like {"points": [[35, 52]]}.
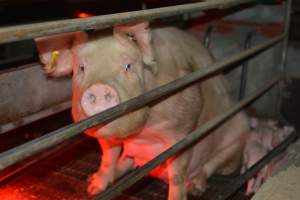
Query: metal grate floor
{"points": [[63, 176]]}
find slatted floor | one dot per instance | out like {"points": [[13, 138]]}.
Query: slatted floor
{"points": [[63, 176]]}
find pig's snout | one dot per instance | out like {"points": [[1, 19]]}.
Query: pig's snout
{"points": [[97, 98]]}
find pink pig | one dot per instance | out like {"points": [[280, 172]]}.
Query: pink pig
{"points": [[111, 68], [265, 135], [253, 152]]}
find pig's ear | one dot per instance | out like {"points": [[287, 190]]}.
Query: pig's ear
{"points": [[55, 52], [139, 33]]}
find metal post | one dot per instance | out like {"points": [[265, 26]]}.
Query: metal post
{"points": [[283, 70], [23, 151], [287, 21], [244, 72]]}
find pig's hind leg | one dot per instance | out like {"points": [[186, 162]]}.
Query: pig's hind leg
{"points": [[225, 161]]}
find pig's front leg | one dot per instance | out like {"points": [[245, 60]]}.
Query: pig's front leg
{"points": [[177, 169], [105, 176]]}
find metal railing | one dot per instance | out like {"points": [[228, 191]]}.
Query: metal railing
{"points": [[189, 140], [11, 156], [22, 32], [35, 116], [30, 31]]}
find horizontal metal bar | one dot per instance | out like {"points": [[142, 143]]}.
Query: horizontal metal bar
{"points": [[34, 117], [189, 140], [11, 156], [22, 32], [238, 182]]}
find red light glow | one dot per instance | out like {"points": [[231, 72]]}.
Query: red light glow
{"points": [[84, 15]]}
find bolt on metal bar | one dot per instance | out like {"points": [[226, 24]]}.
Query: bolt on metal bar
{"points": [[35, 116], [22, 32], [23, 151], [244, 72], [239, 181], [189, 140]]}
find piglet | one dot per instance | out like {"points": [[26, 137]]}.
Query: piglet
{"points": [[253, 152], [264, 136]]}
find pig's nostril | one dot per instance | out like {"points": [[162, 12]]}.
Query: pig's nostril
{"points": [[108, 97], [92, 98]]}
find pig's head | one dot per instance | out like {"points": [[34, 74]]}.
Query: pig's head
{"points": [[107, 69]]}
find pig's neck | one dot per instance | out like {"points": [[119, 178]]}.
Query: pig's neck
{"points": [[150, 80]]}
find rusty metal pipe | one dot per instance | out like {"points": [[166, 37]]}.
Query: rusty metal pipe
{"points": [[189, 140], [23, 151], [22, 32]]}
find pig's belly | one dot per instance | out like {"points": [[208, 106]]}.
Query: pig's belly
{"points": [[142, 151]]}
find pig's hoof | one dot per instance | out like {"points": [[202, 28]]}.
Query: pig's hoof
{"points": [[195, 191], [97, 183], [197, 187]]}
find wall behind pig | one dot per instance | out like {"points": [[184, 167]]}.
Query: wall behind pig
{"points": [[27, 90], [228, 38]]}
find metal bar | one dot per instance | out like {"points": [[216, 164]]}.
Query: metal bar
{"points": [[244, 73], [11, 156], [239, 181], [287, 19], [189, 140], [34, 117], [22, 32]]}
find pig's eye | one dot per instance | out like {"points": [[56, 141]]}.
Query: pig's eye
{"points": [[127, 67], [81, 67]]}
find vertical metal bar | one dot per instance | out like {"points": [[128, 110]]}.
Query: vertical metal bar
{"points": [[282, 70], [287, 19], [244, 72]]}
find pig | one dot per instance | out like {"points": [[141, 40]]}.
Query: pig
{"points": [[269, 131], [112, 66], [253, 152], [264, 136]]}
